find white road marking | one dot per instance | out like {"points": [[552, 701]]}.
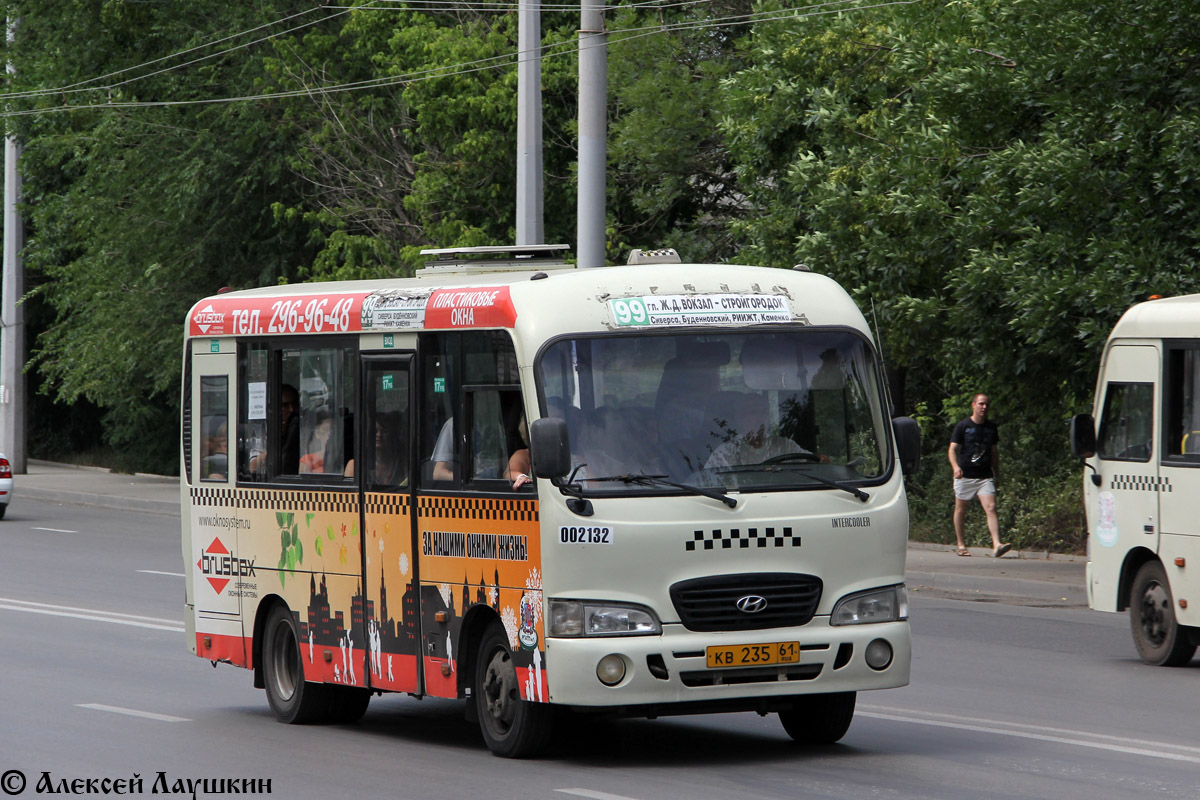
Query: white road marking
{"points": [[55, 530], [1099, 741], [593, 795], [129, 712], [94, 615], [159, 572]]}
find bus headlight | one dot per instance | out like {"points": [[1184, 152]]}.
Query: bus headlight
{"points": [[876, 605], [571, 618]]}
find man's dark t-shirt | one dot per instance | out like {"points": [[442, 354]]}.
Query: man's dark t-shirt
{"points": [[975, 441]]}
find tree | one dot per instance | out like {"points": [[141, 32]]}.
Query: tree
{"points": [[135, 211]]}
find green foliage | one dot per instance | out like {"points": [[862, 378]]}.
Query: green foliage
{"points": [[134, 214]]}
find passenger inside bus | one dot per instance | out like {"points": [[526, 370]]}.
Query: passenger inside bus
{"points": [[618, 442], [443, 453], [751, 437], [289, 437], [214, 458], [519, 463], [688, 381], [318, 444], [390, 464]]}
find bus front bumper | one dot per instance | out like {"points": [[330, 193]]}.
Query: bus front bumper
{"points": [[674, 667]]}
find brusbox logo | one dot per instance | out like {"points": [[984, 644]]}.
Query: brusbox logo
{"points": [[220, 566], [207, 317]]}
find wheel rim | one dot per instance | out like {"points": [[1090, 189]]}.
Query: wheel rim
{"points": [[1156, 603], [500, 695], [284, 661]]}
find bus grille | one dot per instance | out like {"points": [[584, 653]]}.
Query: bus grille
{"points": [[711, 604]]}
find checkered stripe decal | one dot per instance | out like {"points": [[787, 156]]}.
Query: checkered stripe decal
{"points": [[768, 537], [1140, 483], [280, 500], [387, 504], [478, 508]]}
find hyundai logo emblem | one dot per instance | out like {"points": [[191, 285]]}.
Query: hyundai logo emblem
{"points": [[751, 604]]}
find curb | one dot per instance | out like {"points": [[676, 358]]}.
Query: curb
{"points": [[982, 587]]}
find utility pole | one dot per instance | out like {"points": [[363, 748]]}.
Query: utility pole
{"points": [[12, 315], [593, 132], [530, 191]]}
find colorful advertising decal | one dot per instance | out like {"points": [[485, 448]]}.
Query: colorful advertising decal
{"points": [[481, 552]]}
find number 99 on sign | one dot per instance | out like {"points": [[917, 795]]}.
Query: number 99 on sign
{"points": [[630, 311]]}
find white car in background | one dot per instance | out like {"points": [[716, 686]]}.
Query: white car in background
{"points": [[6, 484]]}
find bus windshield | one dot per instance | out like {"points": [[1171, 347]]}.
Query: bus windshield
{"points": [[725, 411]]}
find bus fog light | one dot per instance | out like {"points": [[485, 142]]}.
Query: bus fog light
{"points": [[879, 654], [611, 669]]}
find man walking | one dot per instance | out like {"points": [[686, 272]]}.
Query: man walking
{"points": [[975, 458]]}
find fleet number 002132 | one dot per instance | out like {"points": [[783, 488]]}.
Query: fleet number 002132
{"points": [[585, 534]]}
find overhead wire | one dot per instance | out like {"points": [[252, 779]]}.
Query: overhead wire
{"points": [[492, 62]]}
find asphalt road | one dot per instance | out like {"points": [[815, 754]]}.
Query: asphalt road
{"points": [[1029, 701]]}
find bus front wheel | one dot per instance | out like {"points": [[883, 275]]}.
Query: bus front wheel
{"points": [[511, 727], [1158, 637], [819, 718], [293, 699]]}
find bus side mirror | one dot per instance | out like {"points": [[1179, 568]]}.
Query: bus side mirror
{"points": [[1083, 436], [550, 447], [908, 443]]}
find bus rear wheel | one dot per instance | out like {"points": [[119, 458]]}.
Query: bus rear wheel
{"points": [[819, 718], [1158, 637], [511, 727], [293, 699]]}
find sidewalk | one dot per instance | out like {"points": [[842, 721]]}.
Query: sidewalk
{"points": [[1035, 579], [96, 486]]}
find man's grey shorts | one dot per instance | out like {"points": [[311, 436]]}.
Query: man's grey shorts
{"points": [[967, 488]]}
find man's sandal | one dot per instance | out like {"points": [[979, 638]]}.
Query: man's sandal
{"points": [[962, 551]]}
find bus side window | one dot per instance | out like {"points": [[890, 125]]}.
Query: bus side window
{"points": [[214, 428], [1182, 421], [295, 415], [1127, 423], [471, 407]]}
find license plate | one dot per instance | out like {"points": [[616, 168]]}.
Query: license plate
{"points": [[753, 655]]}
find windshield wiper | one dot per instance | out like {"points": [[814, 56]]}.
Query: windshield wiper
{"points": [[642, 479], [777, 467]]}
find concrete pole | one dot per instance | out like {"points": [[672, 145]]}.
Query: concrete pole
{"points": [[530, 191], [593, 134], [12, 315]]}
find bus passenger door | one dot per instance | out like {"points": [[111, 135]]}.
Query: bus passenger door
{"points": [[1127, 507], [389, 563], [217, 571]]}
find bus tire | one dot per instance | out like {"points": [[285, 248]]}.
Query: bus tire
{"points": [[511, 727], [819, 718], [348, 704], [1158, 637], [293, 699]]}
